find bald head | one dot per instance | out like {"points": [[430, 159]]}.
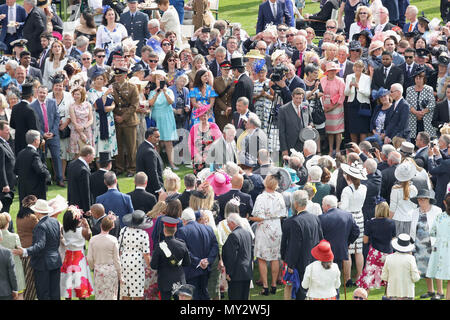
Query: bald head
{"points": [[237, 181], [97, 210]]}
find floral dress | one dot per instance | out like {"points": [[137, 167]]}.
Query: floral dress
{"points": [[439, 266], [82, 115], [262, 110], [202, 144], [151, 291], [270, 207], [109, 145], [206, 99]]}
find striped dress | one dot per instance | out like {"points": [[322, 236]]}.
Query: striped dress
{"points": [[333, 90]]}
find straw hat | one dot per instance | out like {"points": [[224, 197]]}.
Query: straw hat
{"points": [[355, 170], [403, 243], [41, 206], [375, 45], [331, 66], [405, 171], [135, 80], [323, 252], [407, 148], [254, 53]]}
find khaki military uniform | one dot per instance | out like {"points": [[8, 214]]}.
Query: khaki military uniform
{"points": [[126, 98], [223, 101]]}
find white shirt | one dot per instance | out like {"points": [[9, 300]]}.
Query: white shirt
{"points": [[353, 200], [12, 18], [84, 161], [33, 147], [321, 282], [402, 208]]}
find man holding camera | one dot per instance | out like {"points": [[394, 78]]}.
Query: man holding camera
{"points": [[289, 82]]}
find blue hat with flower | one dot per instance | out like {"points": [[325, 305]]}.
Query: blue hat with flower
{"points": [[258, 65], [376, 94]]}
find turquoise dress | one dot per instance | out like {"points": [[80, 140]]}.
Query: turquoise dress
{"points": [[162, 113], [439, 266], [206, 99]]}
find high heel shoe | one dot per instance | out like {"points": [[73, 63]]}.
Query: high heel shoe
{"points": [[264, 292], [273, 290]]}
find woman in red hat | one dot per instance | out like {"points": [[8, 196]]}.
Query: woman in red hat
{"points": [[322, 277]]}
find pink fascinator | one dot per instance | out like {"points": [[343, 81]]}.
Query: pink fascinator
{"points": [[201, 110]]}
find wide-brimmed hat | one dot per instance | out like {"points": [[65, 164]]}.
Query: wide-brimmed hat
{"points": [[137, 219], [381, 92], [423, 193], [355, 170], [403, 243], [354, 45], [254, 53], [405, 171], [135, 80], [443, 58], [41, 206], [308, 134], [331, 66], [58, 204], [419, 70], [314, 161], [19, 43], [406, 148], [364, 33], [220, 182], [377, 44], [201, 110], [323, 252], [283, 176]]}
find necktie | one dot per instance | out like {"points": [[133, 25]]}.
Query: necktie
{"points": [[274, 5], [341, 71], [409, 71], [385, 73], [300, 57], [240, 122], [7, 146], [132, 17], [410, 27], [44, 114], [11, 30]]}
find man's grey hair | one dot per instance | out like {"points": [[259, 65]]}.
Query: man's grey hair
{"points": [[370, 165], [414, 9], [244, 100], [298, 158], [188, 214], [311, 146], [330, 201], [87, 53], [231, 168], [31, 136], [13, 64], [315, 173], [67, 34], [229, 126], [153, 23], [264, 156], [220, 49], [81, 41], [446, 138], [300, 197], [235, 218], [365, 146], [397, 86], [254, 119], [31, 2], [110, 178], [343, 48], [386, 149], [140, 178], [395, 157]]}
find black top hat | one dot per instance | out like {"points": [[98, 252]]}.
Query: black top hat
{"points": [[237, 62], [105, 158], [27, 89], [422, 52]]}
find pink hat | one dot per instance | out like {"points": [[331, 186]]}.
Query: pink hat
{"points": [[220, 182], [201, 110]]}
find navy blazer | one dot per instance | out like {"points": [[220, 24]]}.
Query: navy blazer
{"points": [[396, 123], [373, 184], [201, 243], [265, 15], [21, 15], [237, 255], [374, 117], [340, 229], [406, 27], [52, 116], [245, 207], [440, 170], [117, 202], [44, 250], [137, 29]]}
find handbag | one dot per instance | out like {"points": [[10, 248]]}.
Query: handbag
{"points": [[317, 113], [365, 110], [65, 133]]}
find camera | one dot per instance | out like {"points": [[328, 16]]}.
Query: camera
{"points": [[349, 145], [433, 142], [372, 150], [424, 103], [151, 86], [206, 30], [278, 73], [162, 84], [436, 51]]}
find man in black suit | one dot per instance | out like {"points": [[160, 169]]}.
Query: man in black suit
{"points": [[240, 116], [244, 85], [35, 24], [96, 181], [23, 118], [292, 118], [289, 83], [149, 161], [189, 184], [97, 214], [33, 174], [214, 66], [388, 178], [408, 68], [46, 39], [7, 163], [237, 258], [78, 175], [301, 233], [441, 111], [423, 140], [246, 203], [45, 259], [387, 74], [422, 60], [141, 199]]}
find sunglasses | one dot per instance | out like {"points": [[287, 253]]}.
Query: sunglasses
{"points": [[282, 29], [358, 298], [331, 27], [171, 60], [290, 35], [101, 56], [166, 44], [84, 59], [211, 48], [153, 61], [363, 13], [409, 57]]}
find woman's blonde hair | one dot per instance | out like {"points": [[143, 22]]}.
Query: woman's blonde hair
{"points": [[369, 16], [5, 218], [397, 142], [271, 182], [172, 181], [3, 102], [382, 210], [158, 209], [197, 203]]}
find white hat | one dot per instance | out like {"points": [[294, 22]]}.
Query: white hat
{"points": [[41, 206], [314, 161], [405, 171], [403, 243], [160, 72], [135, 80], [355, 170], [58, 204]]}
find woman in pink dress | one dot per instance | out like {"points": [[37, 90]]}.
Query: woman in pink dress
{"points": [[81, 119], [333, 105]]}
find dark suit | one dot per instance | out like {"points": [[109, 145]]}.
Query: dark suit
{"points": [[290, 125], [265, 15], [184, 199], [214, 68], [149, 161], [237, 257], [340, 229], [35, 24], [20, 16], [8, 280], [97, 183], [441, 114], [440, 169], [347, 70], [423, 155], [96, 227], [33, 174], [23, 118], [243, 88], [396, 123], [168, 273], [245, 207], [301, 233], [35, 73], [53, 127], [45, 258], [78, 187], [406, 27], [286, 92], [387, 182], [388, 26], [201, 243], [235, 120], [136, 27], [117, 202], [373, 184], [408, 79], [395, 75], [142, 200], [7, 176]]}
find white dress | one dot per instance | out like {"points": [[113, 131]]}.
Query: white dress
{"points": [[134, 245], [270, 207], [172, 23], [352, 201], [109, 40], [50, 70]]}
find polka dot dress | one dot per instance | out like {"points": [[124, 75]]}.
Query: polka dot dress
{"points": [[135, 244]]}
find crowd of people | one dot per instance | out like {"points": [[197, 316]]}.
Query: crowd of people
{"points": [[320, 142]]}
